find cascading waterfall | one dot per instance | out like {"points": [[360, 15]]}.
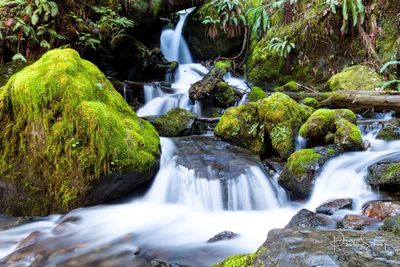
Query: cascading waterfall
{"points": [[183, 209]]}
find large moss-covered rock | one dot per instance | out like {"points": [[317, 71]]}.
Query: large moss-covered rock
{"points": [[327, 126], [303, 166], [241, 126], [68, 139], [384, 175], [256, 94], [282, 118], [390, 131], [269, 125], [357, 77], [177, 122]]}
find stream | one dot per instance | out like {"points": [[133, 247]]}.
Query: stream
{"points": [[204, 186]]}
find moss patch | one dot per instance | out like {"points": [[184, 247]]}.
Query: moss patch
{"points": [[238, 261], [355, 78], [300, 161], [256, 94], [177, 122], [311, 102], [63, 129]]}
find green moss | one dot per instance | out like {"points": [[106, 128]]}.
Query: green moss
{"points": [[176, 122], [391, 174], [224, 95], [291, 86], [238, 261], [348, 134], [311, 102], [64, 127], [222, 66], [392, 225], [256, 94], [389, 133], [321, 127], [355, 78], [300, 161], [242, 126], [282, 118]]}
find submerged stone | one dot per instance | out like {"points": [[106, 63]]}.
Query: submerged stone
{"points": [[331, 207], [68, 139]]}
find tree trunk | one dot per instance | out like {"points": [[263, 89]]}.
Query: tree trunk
{"points": [[147, 9], [378, 101]]}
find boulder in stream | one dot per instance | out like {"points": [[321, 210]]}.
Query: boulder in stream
{"points": [[225, 235], [355, 222], [329, 126], [381, 209], [68, 139], [306, 219], [176, 122], [303, 166], [298, 247], [269, 126], [331, 207], [385, 176], [390, 131]]}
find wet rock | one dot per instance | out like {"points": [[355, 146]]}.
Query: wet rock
{"points": [[7, 222], [392, 225], [300, 247], [303, 166], [213, 159], [306, 219], [384, 176], [177, 122], [389, 133], [225, 235], [160, 263], [355, 222], [381, 209], [331, 207]]}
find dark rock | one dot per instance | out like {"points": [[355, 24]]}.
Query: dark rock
{"points": [[381, 209], [303, 166], [8, 69], [160, 263], [7, 222], [225, 235], [202, 46], [213, 159], [384, 176], [331, 207], [354, 222], [292, 247], [306, 219]]}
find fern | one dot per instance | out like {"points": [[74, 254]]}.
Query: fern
{"points": [[259, 20], [283, 47], [388, 64]]}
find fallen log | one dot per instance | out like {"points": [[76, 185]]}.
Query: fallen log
{"points": [[377, 101]]}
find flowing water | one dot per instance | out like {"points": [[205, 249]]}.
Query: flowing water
{"points": [[204, 186]]}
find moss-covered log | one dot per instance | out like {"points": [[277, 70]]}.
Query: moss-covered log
{"points": [[378, 101]]}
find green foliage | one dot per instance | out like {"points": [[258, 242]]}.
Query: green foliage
{"points": [[352, 11], [391, 83], [212, 26], [281, 46], [258, 19], [332, 5], [278, 4], [28, 25]]}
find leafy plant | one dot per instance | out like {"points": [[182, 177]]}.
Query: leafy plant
{"points": [[353, 11], [258, 19], [390, 83], [281, 46], [332, 5], [212, 27]]}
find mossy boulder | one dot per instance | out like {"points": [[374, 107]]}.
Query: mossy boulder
{"points": [[390, 131], [267, 126], [177, 122], [392, 225], [357, 77], [241, 126], [282, 118], [329, 126], [68, 139], [291, 86], [385, 176], [303, 166], [256, 94]]}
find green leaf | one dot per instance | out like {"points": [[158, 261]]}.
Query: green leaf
{"points": [[35, 19], [19, 57]]}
